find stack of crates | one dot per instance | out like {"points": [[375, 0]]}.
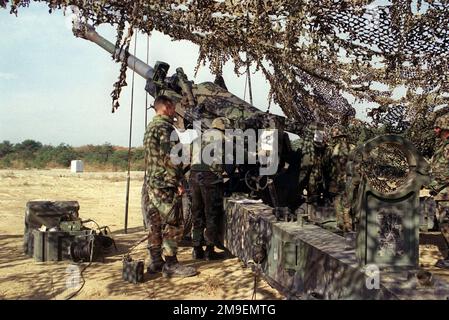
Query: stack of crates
{"points": [[55, 245], [62, 227]]}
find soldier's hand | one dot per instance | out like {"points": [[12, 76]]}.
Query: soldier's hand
{"points": [[181, 190]]}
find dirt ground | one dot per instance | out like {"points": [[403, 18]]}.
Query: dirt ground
{"points": [[101, 196]]}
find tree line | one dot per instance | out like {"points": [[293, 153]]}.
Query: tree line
{"points": [[33, 154]]}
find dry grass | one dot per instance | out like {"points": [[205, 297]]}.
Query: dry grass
{"points": [[8, 174], [101, 197]]}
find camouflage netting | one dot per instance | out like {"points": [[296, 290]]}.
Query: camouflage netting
{"points": [[386, 168], [313, 52]]}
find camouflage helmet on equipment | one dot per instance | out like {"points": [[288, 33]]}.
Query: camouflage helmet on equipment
{"points": [[337, 131], [442, 122], [221, 123]]}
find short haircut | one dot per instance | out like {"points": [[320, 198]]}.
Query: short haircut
{"points": [[162, 100]]}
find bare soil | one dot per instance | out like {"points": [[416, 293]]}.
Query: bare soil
{"points": [[102, 197]]}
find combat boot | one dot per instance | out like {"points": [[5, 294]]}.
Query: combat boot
{"points": [[157, 263], [198, 253], [210, 254], [173, 268]]}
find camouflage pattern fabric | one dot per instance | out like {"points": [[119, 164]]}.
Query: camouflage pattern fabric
{"points": [[211, 141], [443, 220], [316, 182], [359, 132], [301, 144], [439, 184], [207, 206], [439, 165], [442, 122], [161, 172], [206, 186], [338, 156], [221, 123], [342, 212], [163, 178], [353, 181], [410, 41], [163, 235], [311, 175]]}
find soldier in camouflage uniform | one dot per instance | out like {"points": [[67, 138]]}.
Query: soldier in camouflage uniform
{"points": [[313, 149], [164, 189], [338, 156], [206, 185], [439, 185]]}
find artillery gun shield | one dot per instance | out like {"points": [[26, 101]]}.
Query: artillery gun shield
{"points": [[392, 173]]}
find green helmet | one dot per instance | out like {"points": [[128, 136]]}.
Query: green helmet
{"points": [[442, 122], [337, 131], [221, 123]]}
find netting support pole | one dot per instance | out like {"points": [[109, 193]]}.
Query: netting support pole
{"points": [[128, 176], [248, 71]]}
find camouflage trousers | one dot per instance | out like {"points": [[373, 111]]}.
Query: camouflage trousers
{"points": [[342, 210], [443, 219], [207, 206], [164, 233]]}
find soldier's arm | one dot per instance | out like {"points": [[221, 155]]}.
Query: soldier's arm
{"points": [[147, 143], [439, 181], [168, 141], [440, 172]]}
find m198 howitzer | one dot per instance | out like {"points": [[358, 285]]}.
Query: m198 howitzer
{"points": [[206, 101], [299, 258]]}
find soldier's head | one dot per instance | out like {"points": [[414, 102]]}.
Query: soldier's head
{"points": [[220, 123], [338, 132], [441, 126], [164, 106]]}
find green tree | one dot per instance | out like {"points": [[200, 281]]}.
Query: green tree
{"points": [[138, 154], [44, 156], [106, 150], [28, 146], [26, 150], [6, 147], [119, 159], [64, 154]]}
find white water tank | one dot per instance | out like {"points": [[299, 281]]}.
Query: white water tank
{"points": [[77, 166]]}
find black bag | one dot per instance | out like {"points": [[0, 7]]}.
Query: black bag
{"points": [[132, 270], [46, 213]]}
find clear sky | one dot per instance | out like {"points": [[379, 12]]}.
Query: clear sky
{"points": [[56, 88]]}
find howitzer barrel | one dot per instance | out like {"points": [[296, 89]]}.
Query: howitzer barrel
{"points": [[88, 32], [203, 101]]}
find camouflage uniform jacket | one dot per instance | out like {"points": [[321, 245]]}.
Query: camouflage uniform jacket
{"points": [[160, 170], [211, 140], [439, 165], [338, 156], [305, 145]]}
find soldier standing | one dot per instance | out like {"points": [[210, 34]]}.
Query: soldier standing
{"points": [[206, 185], [316, 179], [338, 157], [439, 185], [164, 188]]}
